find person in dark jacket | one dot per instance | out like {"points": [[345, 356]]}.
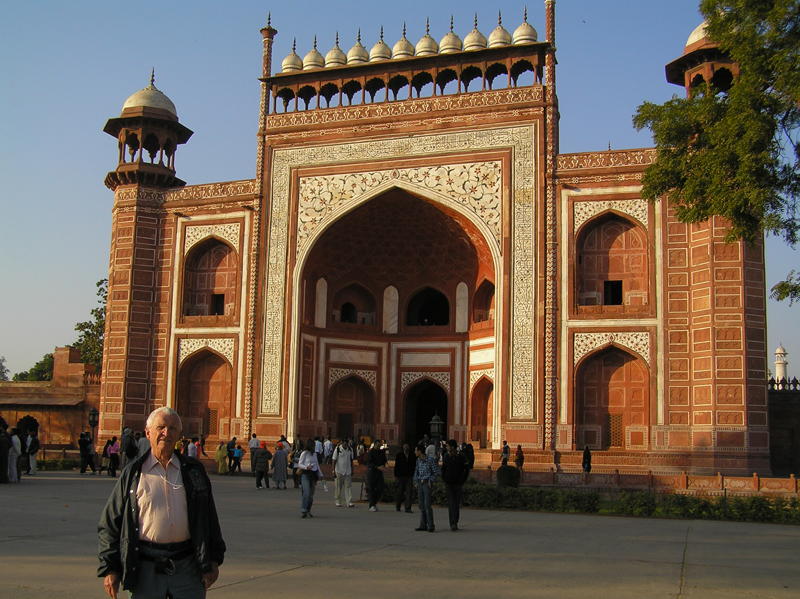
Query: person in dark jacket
{"points": [[84, 444], [261, 461], [404, 464], [455, 470], [376, 459], [148, 550], [587, 459]]}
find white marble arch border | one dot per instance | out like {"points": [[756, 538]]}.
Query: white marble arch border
{"points": [[523, 140]]}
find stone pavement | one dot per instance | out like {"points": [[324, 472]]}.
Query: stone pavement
{"points": [[48, 549]]}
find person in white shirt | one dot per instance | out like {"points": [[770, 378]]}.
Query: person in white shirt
{"points": [[253, 446], [191, 449], [327, 448], [343, 470]]}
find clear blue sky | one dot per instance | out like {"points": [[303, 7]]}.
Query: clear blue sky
{"points": [[66, 67]]}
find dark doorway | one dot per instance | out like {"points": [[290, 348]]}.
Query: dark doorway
{"points": [[427, 309], [424, 400]]}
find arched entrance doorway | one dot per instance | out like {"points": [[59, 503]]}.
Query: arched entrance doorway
{"points": [[424, 400], [613, 400], [481, 413], [351, 409], [205, 399]]}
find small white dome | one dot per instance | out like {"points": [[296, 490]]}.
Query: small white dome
{"points": [[357, 53], [525, 34], [427, 46], [499, 37], [450, 42], [380, 51], [403, 48], [335, 57], [698, 34], [475, 40], [292, 62], [150, 97], [313, 60], [780, 350]]}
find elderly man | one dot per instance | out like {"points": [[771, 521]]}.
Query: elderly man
{"points": [[159, 533]]}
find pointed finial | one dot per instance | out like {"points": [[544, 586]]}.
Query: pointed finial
{"points": [[451, 23], [269, 19], [337, 38], [294, 45], [499, 18], [404, 28], [609, 146], [153, 76], [359, 35], [381, 32], [525, 15], [427, 26], [476, 21], [315, 42]]}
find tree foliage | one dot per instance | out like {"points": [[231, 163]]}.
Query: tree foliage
{"points": [[41, 371], [3, 369], [92, 332], [735, 153]]}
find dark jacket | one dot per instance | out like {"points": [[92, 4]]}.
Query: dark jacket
{"points": [[404, 465], [376, 458], [455, 470], [118, 530], [261, 459]]}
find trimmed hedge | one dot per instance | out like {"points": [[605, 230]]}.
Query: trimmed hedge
{"points": [[65, 464]]}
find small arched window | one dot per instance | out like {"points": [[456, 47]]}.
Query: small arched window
{"points": [[428, 308]]}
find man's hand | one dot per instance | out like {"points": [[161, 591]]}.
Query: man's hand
{"points": [[211, 577], [111, 584]]}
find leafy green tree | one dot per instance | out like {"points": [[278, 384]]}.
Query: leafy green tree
{"points": [[735, 153], [41, 371], [92, 332], [3, 369]]}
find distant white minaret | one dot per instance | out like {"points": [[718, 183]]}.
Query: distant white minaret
{"points": [[781, 364]]}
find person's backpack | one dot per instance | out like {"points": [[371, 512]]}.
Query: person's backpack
{"points": [[132, 450]]}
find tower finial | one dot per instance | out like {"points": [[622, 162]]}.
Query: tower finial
{"points": [[404, 28], [359, 35], [451, 23], [427, 26], [525, 15], [381, 32], [499, 18], [153, 76], [269, 19], [315, 42], [294, 46], [476, 21], [337, 38]]}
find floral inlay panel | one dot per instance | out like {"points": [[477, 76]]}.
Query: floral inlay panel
{"points": [[195, 234], [583, 211], [585, 343], [186, 347]]}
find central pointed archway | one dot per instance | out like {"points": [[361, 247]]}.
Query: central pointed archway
{"points": [[423, 401]]}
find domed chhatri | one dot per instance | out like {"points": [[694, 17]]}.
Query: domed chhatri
{"points": [[698, 34], [292, 62], [403, 48], [450, 42], [357, 53], [313, 60], [499, 37], [335, 57], [525, 34], [150, 97], [475, 40], [380, 51], [427, 46]]}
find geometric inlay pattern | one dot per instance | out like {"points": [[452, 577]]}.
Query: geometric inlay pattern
{"points": [[475, 376], [409, 377], [476, 186], [587, 342], [521, 140], [229, 232], [336, 374], [583, 211], [186, 347]]}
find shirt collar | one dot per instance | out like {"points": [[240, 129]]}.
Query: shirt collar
{"points": [[151, 462]]}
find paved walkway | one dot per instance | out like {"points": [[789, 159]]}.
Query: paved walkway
{"points": [[48, 550]]}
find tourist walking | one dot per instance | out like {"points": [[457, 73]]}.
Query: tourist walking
{"points": [[309, 474], [221, 458], [587, 459], [327, 449], [32, 450], [105, 461], [14, 453], [505, 455], [376, 459], [5, 448], [252, 446], [113, 457], [126, 453], [455, 470], [83, 447], [203, 446], [343, 471], [159, 535], [404, 464], [297, 451], [426, 472], [191, 448], [231, 448], [237, 459], [519, 458], [318, 449], [142, 443], [260, 459], [279, 466]]}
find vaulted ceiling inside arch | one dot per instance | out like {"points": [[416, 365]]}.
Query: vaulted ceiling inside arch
{"points": [[398, 238]]}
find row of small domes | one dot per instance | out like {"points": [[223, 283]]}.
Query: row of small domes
{"points": [[427, 46]]}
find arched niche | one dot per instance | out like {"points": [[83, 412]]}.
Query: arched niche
{"points": [[350, 409], [321, 303], [429, 307], [612, 266], [210, 280], [480, 418], [354, 304], [205, 400], [424, 400], [483, 304], [391, 299], [612, 400]]}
